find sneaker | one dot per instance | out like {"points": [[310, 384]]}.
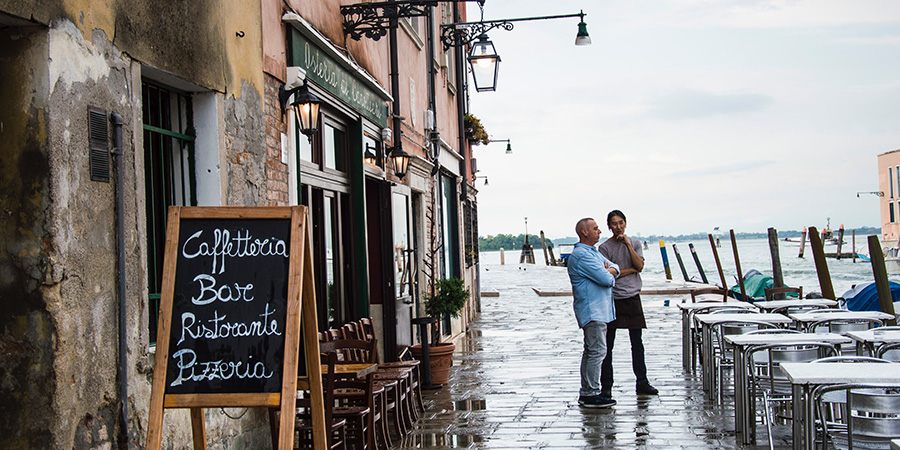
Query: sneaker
{"points": [[646, 389], [596, 401]]}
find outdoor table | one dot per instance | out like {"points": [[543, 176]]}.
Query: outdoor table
{"points": [[772, 304], [707, 321], [353, 370], [744, 398], [687, 352], [803, 320], [805, 377], [866, 341]]}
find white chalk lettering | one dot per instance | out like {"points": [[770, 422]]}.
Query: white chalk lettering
{"points": [[218, 327], [223, 245], [190, 370], [209, 293]]}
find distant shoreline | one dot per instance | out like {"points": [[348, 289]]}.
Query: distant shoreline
{"points": [[723, 235]]}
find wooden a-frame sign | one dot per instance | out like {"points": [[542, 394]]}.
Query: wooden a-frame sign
{"points": [[237, 319]]}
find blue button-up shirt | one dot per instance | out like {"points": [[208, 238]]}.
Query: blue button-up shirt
{"points": [[591, 285]]}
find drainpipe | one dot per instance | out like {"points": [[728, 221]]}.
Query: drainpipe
{"points": [[118, 153], [395, 84], [462, 104], [432, 102]]}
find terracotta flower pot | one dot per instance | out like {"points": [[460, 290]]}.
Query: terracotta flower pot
{"points": [[440, 358]]}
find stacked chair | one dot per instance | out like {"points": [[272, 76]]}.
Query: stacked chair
{"points": [[395, 396]]}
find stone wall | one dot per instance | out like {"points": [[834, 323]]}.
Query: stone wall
{"points": [[58, 271], [27, 332]]}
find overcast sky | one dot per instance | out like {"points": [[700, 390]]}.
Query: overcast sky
{"points": [[689, 114]]}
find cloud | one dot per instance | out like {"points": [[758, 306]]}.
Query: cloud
{"points": [[893, 41], [692, 104], [740, 166]]}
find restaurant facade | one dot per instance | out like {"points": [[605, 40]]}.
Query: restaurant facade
{"points": [[114, 112]]}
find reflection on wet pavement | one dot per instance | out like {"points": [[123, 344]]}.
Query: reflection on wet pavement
{"points": [[514, 382]]}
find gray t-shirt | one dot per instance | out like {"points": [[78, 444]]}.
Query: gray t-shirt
{"points": [[617, 252]]}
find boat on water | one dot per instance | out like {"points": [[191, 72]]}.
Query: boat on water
{"points": [[827, 235], [564, 251]]}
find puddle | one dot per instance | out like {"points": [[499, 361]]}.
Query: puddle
{"points": [[430, 440], [470, 405]]}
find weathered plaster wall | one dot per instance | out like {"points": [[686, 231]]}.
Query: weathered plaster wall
{"points": [[82, 297], [27, 332], [58, 302]]}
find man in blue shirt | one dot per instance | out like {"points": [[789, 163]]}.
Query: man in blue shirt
{"points": [[593, 277]]}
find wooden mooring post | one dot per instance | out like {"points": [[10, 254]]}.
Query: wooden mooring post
{"points": [[815, 241], [712, 243], [840, 241], [544, 246], [680, 262], [665, 258], [737, 265], [881, 279], [777, 275], [527, 255], [802, 243], [853, 243], [697, 262]]}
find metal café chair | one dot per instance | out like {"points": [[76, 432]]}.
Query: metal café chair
{"points": [[867, 418], [888, 352], [843, 325], [791, 309], [723, 353], [768, 381], [696, 335]]}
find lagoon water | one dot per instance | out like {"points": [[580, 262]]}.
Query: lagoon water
{"points": [[754, 254]]}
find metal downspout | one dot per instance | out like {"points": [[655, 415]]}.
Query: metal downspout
{"points": [[118, 153], [435, 137], [462, 104]]}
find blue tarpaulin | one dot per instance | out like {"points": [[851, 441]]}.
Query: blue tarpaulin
{"points": [[864, 297]]}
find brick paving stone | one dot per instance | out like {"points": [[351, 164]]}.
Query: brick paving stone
{"points": [[515, 378]]}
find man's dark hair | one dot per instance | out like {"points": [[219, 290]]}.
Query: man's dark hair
{"points": [[615, 213]]}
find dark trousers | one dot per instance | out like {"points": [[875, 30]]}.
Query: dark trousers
{"points": [[637, 358]]}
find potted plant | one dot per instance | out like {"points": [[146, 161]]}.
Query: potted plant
{"points": [[449, 298], [475, 131]]}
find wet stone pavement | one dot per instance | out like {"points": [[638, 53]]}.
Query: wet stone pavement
{"points": [[515, 378]]}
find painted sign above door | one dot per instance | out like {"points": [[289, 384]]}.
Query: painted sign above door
{"points": [[326, 71]]}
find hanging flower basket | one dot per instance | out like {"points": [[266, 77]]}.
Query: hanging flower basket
{"points": [[475, 132]]}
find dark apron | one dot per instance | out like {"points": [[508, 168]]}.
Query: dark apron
{"points": [[629, 313]]}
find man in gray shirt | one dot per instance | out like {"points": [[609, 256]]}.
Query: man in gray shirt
{"points": [[628, 255]]}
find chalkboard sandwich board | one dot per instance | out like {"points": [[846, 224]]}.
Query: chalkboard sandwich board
{"points": [[236, 281]]}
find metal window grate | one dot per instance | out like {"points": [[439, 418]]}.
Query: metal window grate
{"points": [[98, 139], [169, 174]]}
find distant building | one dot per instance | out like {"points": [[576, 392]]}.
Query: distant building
{"points": [[889, 186]]}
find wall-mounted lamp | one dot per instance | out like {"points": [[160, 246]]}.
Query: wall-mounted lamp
{"points": [[306, 108], [479, 176], [485, 64], [369, 156], [400, 159], [508, 144], [875, 193]]}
